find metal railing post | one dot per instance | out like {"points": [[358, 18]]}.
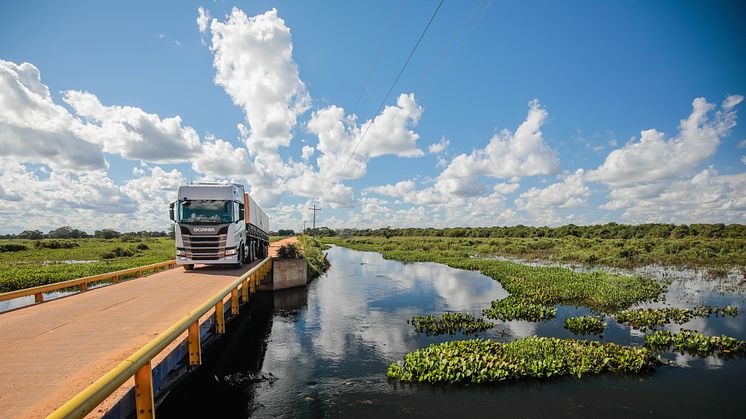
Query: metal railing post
{"points": [[144, 404], [245, 291], [234, 301], [220, 317], [38, 297], [194, 344]]}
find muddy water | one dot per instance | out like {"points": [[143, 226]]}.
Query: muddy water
{"points": [[323, 352]]}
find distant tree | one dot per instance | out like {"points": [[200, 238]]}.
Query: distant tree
{"points": [[106, 233], [31, 235], [67, 232], [285, 232]]}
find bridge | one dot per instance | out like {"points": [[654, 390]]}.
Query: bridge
{"points": [[83, 353]]}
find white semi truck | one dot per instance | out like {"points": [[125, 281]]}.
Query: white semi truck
{"points": [[218, 224]]}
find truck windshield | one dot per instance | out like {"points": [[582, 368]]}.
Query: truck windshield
{"points": [[205, 211]]}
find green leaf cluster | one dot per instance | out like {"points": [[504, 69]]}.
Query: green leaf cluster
{"points": [[694, 342], [513, 308], [647, 318], [485, 361], [585, 325], [449, 323]]}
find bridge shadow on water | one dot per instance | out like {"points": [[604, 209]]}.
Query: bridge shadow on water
{"points": [[222, 386]]}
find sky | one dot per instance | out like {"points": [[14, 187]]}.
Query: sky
{"points": [[534, 113]]}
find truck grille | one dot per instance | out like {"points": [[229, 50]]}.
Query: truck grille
{"points": [[204, 247]]}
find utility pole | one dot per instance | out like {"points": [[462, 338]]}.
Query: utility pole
{"points": [[314, 209], [304, 226]]}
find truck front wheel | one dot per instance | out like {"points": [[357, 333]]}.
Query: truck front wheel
{"points": [[188, 267]]}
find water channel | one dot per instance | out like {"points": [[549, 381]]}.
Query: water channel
{"points": [[323, 351]]}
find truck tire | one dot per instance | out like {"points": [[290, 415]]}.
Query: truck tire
{"points": [[240, 258], [188, 267]]}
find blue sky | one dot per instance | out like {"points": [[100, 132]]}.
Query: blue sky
{"points": [[601, 72]]}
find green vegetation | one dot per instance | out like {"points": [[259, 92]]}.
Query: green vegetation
{"points": [[512, 308], [449, 323], [528, 285], [49, 261], [484, 361], [312, 251], [693, 342], [712, 246], [647, 318], [585, 325], [289, 251]]}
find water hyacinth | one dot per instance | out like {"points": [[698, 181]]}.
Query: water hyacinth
{"points": [[485, 361], [449, 323], [512, 308], [585, 325], [694, 342], [647, 318]]}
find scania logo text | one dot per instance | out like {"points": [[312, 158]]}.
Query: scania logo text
{"points": [[204, 229]]}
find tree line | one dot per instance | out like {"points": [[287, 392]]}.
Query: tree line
{"points": [[602, 231], [67, 232]]}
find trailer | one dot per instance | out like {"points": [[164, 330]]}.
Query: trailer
{"points": [[218, 224]]}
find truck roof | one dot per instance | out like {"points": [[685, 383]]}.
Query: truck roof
{"points": [[217, 191]]}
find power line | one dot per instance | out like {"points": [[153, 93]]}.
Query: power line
{"points": [[378, 55], [383, 102], [314, 209]]}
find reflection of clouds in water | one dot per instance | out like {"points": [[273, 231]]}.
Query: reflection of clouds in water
{"points": [[518, 328], [389, 333], [339, 312]]}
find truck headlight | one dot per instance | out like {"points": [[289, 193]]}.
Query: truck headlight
{"points": [[180, 252], [230, 252]]}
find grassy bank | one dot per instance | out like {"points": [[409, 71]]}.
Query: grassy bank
{"points": [[528, 285], [710, 252], [38, 262], [312, 251]]}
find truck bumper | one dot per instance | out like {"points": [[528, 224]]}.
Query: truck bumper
{"points": [[228, 260]]}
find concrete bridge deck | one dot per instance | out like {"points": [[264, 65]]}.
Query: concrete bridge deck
{"points": [[52, 351]]}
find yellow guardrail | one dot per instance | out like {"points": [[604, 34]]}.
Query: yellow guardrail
{"points": [[139, 363], [38, 292]]}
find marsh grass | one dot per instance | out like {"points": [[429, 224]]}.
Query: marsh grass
{"points": [[528, 285], [48, 262]]}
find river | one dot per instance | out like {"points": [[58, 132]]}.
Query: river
{"points": [[323, 351]]}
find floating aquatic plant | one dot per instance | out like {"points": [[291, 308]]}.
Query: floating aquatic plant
{"points": [[695, 342], [484, 361], [585, 325], [512, 308], [644, 318], [449, 323]]}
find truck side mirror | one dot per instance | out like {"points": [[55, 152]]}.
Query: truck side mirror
{"points": [[171, 212]]}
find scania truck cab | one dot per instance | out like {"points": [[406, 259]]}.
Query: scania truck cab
{"points": [[218, 224]]}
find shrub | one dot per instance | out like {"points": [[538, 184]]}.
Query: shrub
{"points": [[142, 246], [289, 251], [12, 247], [117, 252], [55, 244]]}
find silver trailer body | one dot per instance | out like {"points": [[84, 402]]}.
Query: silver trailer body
{"points": [[218, 224]]}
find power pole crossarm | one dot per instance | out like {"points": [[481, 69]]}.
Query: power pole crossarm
{"points": [[314, 209]]}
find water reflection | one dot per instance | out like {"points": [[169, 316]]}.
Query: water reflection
{"points": [[329, 347]]}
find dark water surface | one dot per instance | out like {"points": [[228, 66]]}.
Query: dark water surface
{"points": [[323, 351]]}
